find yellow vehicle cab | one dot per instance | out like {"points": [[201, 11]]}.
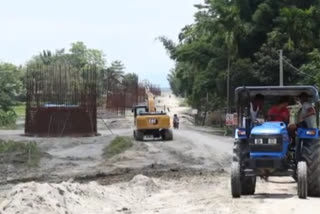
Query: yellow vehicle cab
{"points": [[155, 124]]}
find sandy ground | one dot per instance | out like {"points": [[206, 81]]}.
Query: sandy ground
{"points": [[187, 175]]}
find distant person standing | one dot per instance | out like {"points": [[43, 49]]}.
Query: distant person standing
{"points": [[175, 121]]}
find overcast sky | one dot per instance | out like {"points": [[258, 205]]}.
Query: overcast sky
{"points": [[123, 29]]}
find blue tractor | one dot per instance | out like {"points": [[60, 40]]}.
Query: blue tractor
{"points": [[265, 148]]}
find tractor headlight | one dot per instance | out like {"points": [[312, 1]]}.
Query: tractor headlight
{"points": [[311, 132], [258, 141], [241, 132], [272, 141]]}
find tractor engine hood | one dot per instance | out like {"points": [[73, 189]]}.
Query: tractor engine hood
{"points": [[269, 128]]}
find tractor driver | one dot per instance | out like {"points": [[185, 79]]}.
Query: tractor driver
{"points": [[280, 112]]}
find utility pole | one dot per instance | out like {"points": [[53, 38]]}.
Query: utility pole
{"points": [[281, 67], [228, 85], [205, 110]]}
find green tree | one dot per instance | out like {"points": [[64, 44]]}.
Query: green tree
{"points": [[310, 72], [241, 39], [113, 76], [130, 80], [78, 56], [11, 85]]}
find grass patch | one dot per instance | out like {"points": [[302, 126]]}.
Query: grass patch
{"points": [[9, 127], [228, 131], [117, 146], [24, 153], [20, 110]]}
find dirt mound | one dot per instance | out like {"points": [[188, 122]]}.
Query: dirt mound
{"points": [[143, 184], [75, 198], [63, 198]]}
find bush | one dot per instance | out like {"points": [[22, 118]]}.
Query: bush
{"points": [[117, 146], [7, 119], [183, 103], [20, 110], [11, 85], [228, 131]]}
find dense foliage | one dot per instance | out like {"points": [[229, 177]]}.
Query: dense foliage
{"points": [[243, 38], [11, 85], [11, 92], [78, 56]]}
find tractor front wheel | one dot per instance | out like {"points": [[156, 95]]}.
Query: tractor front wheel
{"points": [[302, 179], [235, 179]]}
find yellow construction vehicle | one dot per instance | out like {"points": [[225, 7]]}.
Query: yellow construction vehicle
{"points": [[149, 122]]}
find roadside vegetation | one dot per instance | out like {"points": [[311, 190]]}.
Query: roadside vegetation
{"points": [[20, 153], [11, 92], [183, 103], [117, 146], [241, 41], [20, 110], [7, 119]]}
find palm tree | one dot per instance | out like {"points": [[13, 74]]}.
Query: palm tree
{"points": [[297, 23], [46, 57], [232, 28], [112, 76]]}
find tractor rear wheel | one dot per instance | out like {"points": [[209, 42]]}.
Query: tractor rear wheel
{"points": [[311, 154], [248, 185], [302, 179], [235, 179]]}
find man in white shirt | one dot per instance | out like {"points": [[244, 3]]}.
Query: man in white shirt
{"points": [[307, 113], [256, 107]]}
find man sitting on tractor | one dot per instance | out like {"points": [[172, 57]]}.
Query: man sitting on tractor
{"points": [[268, 148], [256, 107], [280, 112], [306, 116], [307, 113]]}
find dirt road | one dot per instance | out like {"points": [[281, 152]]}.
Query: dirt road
{"points": [[187, 175]]}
